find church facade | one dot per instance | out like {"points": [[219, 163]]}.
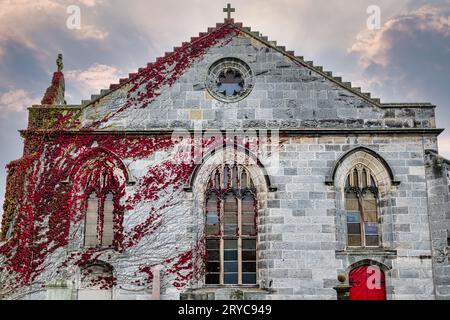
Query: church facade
{"points": [[227, 169]]}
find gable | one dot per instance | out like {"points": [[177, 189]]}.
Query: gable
{"points": [[288, 93]]}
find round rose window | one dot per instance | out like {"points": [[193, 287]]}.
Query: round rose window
{"points": [[229, 80]]}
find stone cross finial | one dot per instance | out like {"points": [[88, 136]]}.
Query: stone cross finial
{"points": [[59, 62], [229, 10]]}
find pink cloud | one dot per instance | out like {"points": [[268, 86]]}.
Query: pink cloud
{"points": [[19, 20], [93, 79], [373, 47], [15, 101], [444, 146]]}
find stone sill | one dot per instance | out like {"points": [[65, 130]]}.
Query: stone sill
{"points": [[226, 292], [231, 287], [367, 252]]}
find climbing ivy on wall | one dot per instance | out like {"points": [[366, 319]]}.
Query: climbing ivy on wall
{"points": [[47, 188]]}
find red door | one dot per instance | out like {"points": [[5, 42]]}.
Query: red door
{"points": [[368, 283]]}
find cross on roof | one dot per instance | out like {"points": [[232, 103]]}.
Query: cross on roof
{"points": [[229, 10]]}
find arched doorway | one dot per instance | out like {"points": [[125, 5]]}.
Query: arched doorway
{"points": [[368, 283]]}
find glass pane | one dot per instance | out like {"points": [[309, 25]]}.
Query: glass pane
{"points": [[230, 266], [249, 267], [108, 212], [249, 244], [355, 178], [212, 230], [230, 244], [90, 236], [364, 178], [213, 255], [248, 229], [353, 217], [235, 177], [230, 229], [354, 228], [230, 278], [371, 228], [354, 240], [211, 205], [226, 177], [248, 204], [213, 244], [248, 255], [248, 217], [212, 217], [230, 255], [370, 207], [213, 278], [372, 241], [351, 202], [244, 179], [213, 267], [90, 241], [230, 216], [249, 278], [217, 180]]}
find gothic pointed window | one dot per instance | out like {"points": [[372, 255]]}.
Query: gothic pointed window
{"points": [[99, 221], [361, 204], [231, 227]]}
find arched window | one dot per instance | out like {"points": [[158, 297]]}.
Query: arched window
{"points": [[97, 282], [361, 196], [231, 227], [99, 221]]}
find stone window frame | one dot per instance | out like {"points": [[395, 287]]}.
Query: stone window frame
{"points": [[386, 184], [101, 199], [225, 63], [77, 228], [238, 191], [199, 183], [360, 188]]}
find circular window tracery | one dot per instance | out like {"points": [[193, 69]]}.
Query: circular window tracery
{"points": [[229, 80]]}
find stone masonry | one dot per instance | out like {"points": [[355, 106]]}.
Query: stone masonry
{"points": [[325, 127]]}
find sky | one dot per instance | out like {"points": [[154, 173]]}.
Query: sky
{"points": [[405, 59]]}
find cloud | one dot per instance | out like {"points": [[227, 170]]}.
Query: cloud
{"points": [[444, 146], [374, 47], [93, 79], [410, 52], [90, 32], [408, 60], [90, 3], [36, 23], [15, 101]]}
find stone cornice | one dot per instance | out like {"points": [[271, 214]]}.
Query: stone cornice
{"points": [[336, 131]]}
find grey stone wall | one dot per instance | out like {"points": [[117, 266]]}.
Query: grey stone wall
{"points": [[439, 209]]}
